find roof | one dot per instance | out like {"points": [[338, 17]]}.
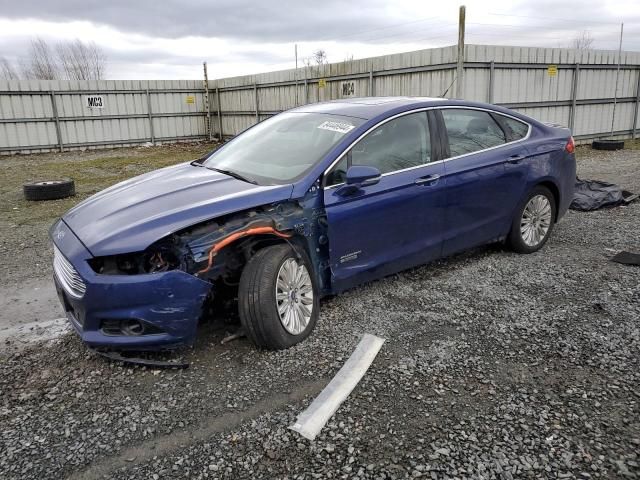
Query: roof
{"points": [[366, 107]]}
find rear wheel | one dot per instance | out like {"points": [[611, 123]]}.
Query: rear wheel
{"points": [[533, 222], [278, 297]]}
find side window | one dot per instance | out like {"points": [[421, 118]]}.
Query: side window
{"points": [[471, 130], [398, 144], [518, 129]]}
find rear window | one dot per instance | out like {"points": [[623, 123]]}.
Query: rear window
{"points": [[471, 130], [517, 128]]}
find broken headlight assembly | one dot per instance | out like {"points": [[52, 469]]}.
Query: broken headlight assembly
{"points": [[155, 259]]}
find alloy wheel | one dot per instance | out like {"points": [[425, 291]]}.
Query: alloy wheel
{"points": [[294, 296], [536, 220]]}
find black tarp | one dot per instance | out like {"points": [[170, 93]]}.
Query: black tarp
{"points": [[627, 258], [594, 194]]}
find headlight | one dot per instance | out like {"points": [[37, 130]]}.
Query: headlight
{"points": [[157, 258]]}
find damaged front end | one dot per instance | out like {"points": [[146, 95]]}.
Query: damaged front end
{"points": [[155, 298]]}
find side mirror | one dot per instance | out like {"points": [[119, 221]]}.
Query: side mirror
{"points": [[362, 176], [358, 176]]}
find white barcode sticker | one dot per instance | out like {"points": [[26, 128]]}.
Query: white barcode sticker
{"points": [[336, 127]]}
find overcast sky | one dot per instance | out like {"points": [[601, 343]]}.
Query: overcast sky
{"points": [[169, 39]]}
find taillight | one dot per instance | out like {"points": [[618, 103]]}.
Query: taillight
{"points": [[570, 147]]}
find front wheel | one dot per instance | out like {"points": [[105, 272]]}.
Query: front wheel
{"points": [[533, 222], [278, 297]]}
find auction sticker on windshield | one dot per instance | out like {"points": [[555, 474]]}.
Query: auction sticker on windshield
{"points": [[336, 127]]}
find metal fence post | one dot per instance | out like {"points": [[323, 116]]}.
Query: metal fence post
{"points": [[306, 89], [153, 140], [371, 81], [255, 92], [54, 108], [219, 112], [492, 72], [574, 96], [635, 110]]}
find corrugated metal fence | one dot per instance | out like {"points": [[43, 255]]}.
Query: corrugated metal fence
{"points": [[574, 88]]}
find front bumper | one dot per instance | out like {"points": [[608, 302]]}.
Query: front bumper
{"points": [[171, 302]]}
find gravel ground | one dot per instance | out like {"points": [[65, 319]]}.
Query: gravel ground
{"points": [[496, 365]]}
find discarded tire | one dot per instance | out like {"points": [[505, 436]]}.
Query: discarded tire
{"points": [[49, 189], [608, 144]]}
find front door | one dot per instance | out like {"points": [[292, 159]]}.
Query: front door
{"points": [[396, 223]]}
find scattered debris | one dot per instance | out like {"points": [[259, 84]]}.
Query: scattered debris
{"points": [[627, 258], [145, 362], [233, 336], [311, 421], [595, 194]]}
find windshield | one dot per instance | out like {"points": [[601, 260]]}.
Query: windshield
{"points": [[282, 148]]}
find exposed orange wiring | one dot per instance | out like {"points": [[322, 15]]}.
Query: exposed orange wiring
{"points": [[233, 237]]}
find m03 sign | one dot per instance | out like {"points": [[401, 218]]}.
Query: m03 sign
{"points": [[94, 101]]}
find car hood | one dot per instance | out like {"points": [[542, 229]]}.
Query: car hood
{"points": [[131, 215]]}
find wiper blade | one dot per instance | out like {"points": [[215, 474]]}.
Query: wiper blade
{"points": [[234, 175]]}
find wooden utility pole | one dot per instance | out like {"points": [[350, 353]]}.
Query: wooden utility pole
{"points": [[460, 68], [296, 73], [206, 101], [615, 93]]}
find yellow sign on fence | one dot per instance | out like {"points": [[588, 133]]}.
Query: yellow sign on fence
{"points": [[322, 82], [552, 70], [191, 99]]}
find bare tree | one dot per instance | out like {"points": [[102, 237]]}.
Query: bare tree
{"points": [[584, 41], [81, 61], [41, 62], [73, 60], [320, 57], [7, 71]]}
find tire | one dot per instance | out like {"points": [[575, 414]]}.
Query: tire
{"points": [[542, 212], [258, 305], [607, 144], [49, 190]]}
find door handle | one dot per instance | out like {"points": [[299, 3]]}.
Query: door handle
{"points": [[515, 158], [427, 180]]}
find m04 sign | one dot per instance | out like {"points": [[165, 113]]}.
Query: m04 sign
{"points": [[348, 88], [94, 101]]}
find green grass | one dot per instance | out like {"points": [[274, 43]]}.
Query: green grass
{"points": [[92, 171]]}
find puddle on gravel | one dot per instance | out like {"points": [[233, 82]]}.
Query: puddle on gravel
{"points": [[28, 333]]}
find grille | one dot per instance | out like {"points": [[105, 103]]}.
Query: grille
{"points": [[67, 275]]}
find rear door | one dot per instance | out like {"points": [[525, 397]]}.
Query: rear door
{"points": [[482, 177], [396, 223]]}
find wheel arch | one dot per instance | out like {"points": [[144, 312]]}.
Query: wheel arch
{"points": [[555, 191]]}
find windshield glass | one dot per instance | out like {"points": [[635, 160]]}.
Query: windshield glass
{"points": [[282, 148]]}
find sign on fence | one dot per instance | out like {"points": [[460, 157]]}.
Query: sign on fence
{"points": [[94, 101], [191, 99], [322, 82], [348, 88], [552, 70]]}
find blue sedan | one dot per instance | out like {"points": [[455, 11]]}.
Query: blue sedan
{"points": [[308, 203]]}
